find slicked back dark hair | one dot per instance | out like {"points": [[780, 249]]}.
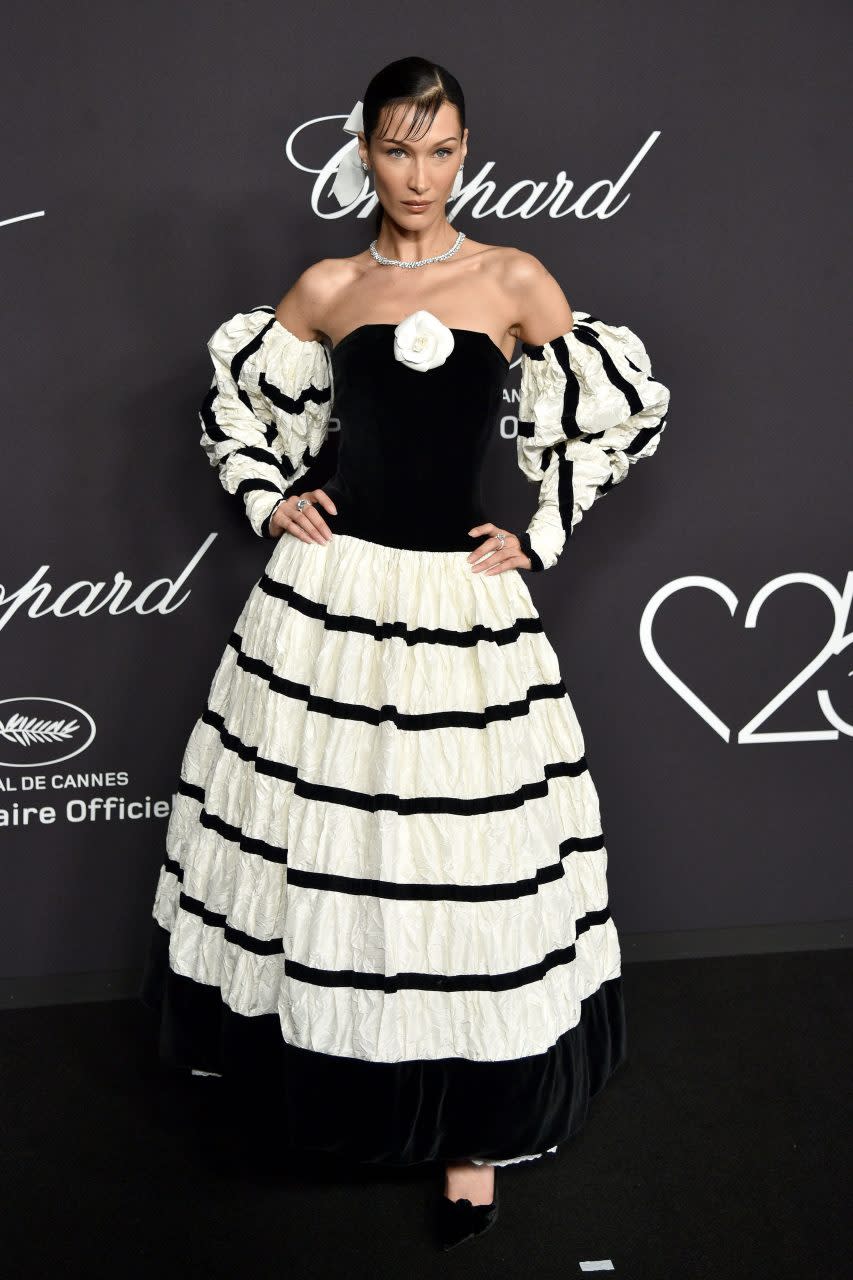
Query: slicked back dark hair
{"points": [[416, 82]]}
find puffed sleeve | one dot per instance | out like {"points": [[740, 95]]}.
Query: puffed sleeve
{"points": [[588, 408], [266, 414]]}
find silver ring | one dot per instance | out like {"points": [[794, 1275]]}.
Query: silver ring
{"points": [[302, 503], [502, 539]]}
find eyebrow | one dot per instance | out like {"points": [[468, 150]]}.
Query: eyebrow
{"points": [[453, 138]]}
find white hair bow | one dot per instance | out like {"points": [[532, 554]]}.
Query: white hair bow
{"points": [[350, 178]]}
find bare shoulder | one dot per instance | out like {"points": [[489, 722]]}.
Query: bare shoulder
{"points": [[523, 270], [309, 298], [541, 308]]}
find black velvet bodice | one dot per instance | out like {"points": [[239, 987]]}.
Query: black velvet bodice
{"points": [[412, 442]]}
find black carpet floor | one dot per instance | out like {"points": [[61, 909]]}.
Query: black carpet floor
{"points": [[720, 1149]]}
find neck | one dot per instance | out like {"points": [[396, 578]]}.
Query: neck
{"points": [[410, 245]]}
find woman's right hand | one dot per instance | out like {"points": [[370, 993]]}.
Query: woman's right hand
{"points": [[307, 524]]}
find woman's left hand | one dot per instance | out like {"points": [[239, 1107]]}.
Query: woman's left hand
{"points": [[497, 560]]}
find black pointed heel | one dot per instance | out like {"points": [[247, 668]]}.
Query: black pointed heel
{"points": [[460, 1220]]}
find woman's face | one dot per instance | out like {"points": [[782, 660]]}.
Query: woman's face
{"points": [[415, 169]]}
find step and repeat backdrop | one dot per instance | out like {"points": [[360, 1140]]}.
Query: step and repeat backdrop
{"points": [[678, 171]]}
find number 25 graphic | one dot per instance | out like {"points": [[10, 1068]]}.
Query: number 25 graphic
{"points": [[836, 643]]}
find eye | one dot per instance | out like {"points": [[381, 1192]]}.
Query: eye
{"points": [[390, 151]]}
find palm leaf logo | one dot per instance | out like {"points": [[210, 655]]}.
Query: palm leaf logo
{"points": [[26, 731]]}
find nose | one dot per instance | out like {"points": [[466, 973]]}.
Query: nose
{"points": [[418, 180]]}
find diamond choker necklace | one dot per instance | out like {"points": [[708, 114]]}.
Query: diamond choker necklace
{"points": [[395, 262]]}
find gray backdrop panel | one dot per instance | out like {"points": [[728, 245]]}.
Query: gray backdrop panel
{"points": [[151, 144]]}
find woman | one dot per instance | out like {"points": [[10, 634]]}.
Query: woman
{"points": [[384, 889]]}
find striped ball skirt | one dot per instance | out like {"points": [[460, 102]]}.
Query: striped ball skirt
{"points": [[383, 900]]}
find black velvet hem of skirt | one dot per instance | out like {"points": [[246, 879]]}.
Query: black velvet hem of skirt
{"points": [[394, 1113]]}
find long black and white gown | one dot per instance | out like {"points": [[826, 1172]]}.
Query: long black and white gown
{"points": [[384, 897]]}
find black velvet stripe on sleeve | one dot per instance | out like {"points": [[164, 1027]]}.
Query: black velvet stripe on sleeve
{"points": [[320, 471], [536, 565]]}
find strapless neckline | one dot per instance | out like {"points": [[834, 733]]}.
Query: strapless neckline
{"points": [[388, 324]]}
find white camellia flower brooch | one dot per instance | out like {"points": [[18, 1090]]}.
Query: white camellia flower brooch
{"points": [[422, 342]]}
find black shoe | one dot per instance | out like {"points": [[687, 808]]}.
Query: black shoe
{"points": [[459, 1220]]}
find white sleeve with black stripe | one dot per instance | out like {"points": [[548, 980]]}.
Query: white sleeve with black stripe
{"points": [[266, 413], [588, 408]]}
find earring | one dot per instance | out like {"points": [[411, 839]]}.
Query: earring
{"points": [[364, 166], [457, 184]]}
